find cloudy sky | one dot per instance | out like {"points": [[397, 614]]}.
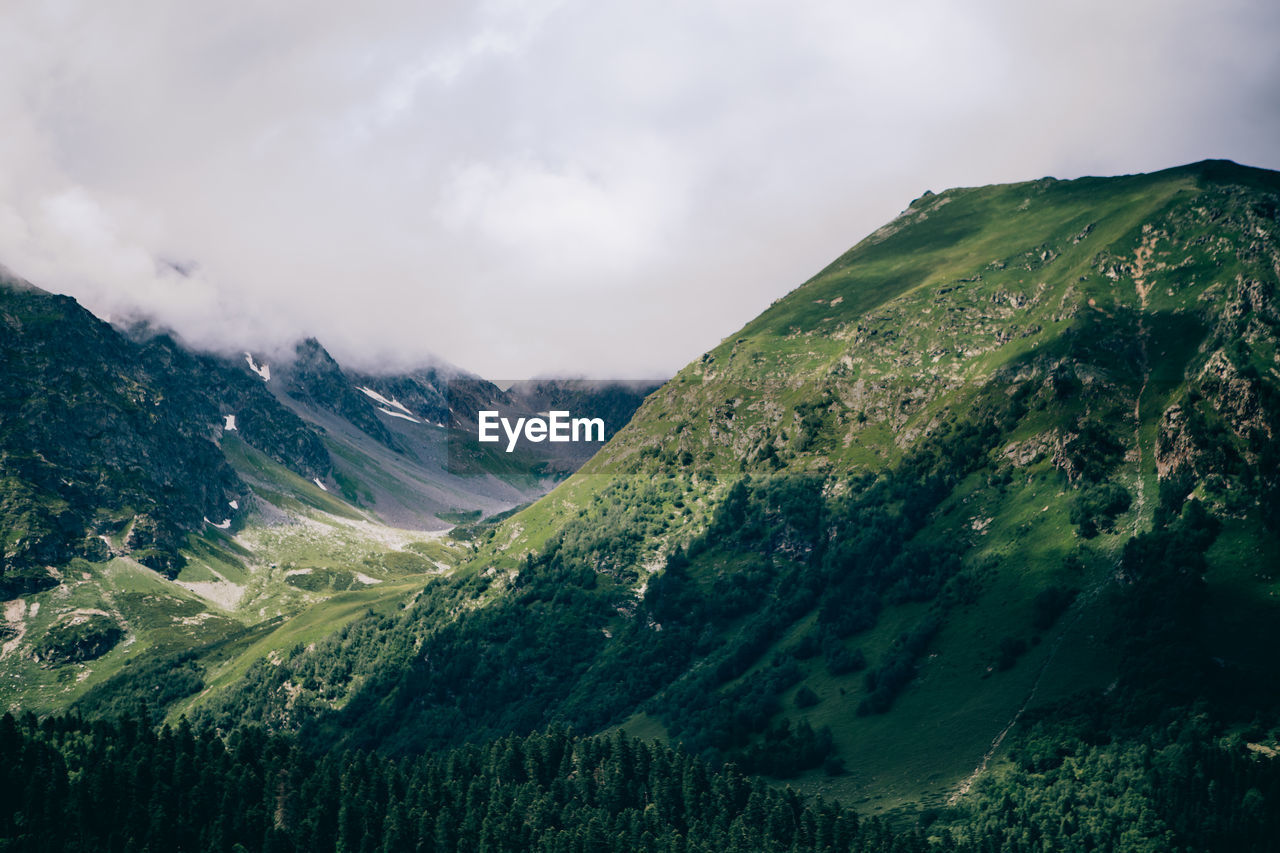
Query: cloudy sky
{"points": [[530, 187]]}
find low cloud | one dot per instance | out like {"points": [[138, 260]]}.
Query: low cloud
{"points": [[539, 187]]}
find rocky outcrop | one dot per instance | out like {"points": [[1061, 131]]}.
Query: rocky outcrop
{"points": [[81, 636], [315, 379], [1240, 397], [1176, 451], [213, 387]]}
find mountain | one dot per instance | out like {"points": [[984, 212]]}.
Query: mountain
{"points": [[975, 530], [166, 508], [1004, 471], [108, 446], [313, 378], [422, 466]]}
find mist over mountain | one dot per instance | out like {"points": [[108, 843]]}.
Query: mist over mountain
{"points": [[111, 438]]}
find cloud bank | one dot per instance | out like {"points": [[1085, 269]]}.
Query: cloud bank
{"points": [[530, 187]]}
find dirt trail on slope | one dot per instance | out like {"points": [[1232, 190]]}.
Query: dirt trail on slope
{"points": [[1080, 607], [1140, 285], [969, 780]]}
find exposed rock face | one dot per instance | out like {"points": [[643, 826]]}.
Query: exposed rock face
{"points": [[1223, 431], [423, 392], [89, 439], [316, 380], [1175, 448], [1024, 453], [102, 436], [216, 387], [1254, 302], [1237, 397]]}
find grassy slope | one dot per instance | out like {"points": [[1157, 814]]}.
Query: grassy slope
{"points": [[904, 328], [905, 282], [242, 595], [367, 567]]}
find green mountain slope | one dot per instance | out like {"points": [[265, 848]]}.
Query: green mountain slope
{"points": [[1013, 449]]}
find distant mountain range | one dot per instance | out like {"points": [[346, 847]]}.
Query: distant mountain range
{"points": [[123, 447]]}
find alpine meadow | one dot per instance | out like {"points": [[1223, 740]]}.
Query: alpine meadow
{"points": [[971, 542]]}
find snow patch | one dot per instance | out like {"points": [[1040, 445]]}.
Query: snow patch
{"points": [[234, 504], [230, 422], [399, 415], [225, 523], [375, 396], [322, 486], [262, 370]]}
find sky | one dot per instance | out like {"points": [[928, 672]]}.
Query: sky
{"points": [[553, 187]]}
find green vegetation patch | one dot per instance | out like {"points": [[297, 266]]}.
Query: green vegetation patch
{"points": [[401, 562], [316, 580], [459, 516], [80, 636]]}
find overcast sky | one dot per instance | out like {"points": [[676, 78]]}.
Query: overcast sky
{"points": [[595, 188]]}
